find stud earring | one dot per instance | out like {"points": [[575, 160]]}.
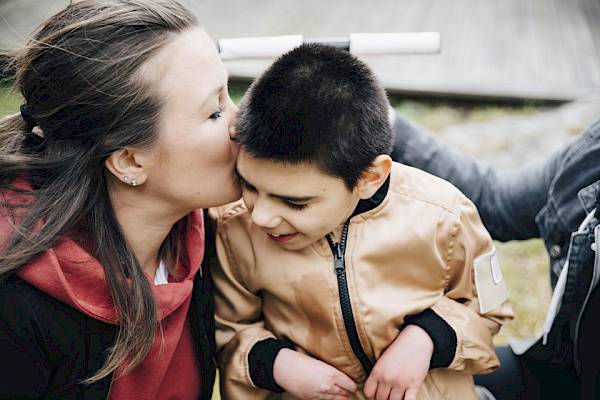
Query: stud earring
{"points": [[133, 182], [126, 179]]}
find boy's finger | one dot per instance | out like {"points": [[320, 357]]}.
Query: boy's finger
{"points": [[336, 390], [411, 393], [396, 394], [341, 397], [344, 382], [370, 387], [383, 391]]}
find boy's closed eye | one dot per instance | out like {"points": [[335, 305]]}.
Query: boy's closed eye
{"points": [[246, 185], [296, 206], [290, 204]]}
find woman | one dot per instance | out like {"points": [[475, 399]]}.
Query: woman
{"points": [[558, 201], [123, 137]]}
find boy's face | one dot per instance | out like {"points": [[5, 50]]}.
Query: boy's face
{"points": [[295, 205]]}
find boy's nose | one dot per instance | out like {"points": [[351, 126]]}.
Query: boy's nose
{"points": [[234, 111], [263, 217]]}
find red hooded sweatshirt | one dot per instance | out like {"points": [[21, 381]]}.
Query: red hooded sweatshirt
{"points": [[170, 371]]}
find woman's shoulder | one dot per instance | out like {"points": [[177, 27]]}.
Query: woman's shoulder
{"points": [[20, 301], [14, 292], [38, 332], [24, 311], [23, 306]]}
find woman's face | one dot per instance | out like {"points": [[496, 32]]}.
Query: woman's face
{"points": [[191, 163]]}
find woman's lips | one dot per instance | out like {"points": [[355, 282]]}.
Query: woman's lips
{"points": [[282, 238]]}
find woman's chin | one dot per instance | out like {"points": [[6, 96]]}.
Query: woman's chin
{"points": [[233, 195]]}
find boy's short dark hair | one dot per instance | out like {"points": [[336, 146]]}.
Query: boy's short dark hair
{"points": [[320, 105]]}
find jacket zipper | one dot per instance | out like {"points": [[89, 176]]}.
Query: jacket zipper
{"points": [[339, 266]]}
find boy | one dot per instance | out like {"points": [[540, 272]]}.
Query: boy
{"points": [[344, 269]]}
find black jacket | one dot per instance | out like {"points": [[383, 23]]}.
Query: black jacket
{"points": [[48, 347]]}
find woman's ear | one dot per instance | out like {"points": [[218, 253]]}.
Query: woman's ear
{"points": [[372, 179], [123, 165]]}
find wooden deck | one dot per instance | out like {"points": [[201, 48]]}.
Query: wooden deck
{"points": [[524, 49]]}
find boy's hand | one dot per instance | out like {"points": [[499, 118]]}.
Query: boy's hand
{"points": [[308, 378], [402, 367]]}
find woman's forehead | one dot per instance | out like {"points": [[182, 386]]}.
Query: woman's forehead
{"points": [[188, 65]]}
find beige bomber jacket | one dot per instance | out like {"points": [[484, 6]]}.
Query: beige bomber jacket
{"points": [[414, 251]]}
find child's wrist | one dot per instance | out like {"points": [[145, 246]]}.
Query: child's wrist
{"points": [[281, 366], [261, 362], [441, 333], [425, 340]]}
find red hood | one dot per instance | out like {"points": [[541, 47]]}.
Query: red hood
{"points": [[70, 274]]}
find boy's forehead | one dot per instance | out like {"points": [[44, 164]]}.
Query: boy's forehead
{"points": [[297, 179], [249, 166]]}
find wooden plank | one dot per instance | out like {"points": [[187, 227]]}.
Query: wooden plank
{"points": [[529, 49]]}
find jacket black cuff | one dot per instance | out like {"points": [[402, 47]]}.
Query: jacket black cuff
{"points": [[261, 359], [442, 335]]}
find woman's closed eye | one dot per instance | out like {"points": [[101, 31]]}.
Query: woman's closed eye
{"points": [[217, 114]]}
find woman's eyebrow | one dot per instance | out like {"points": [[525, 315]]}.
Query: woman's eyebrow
{"points": [[211, 95]]}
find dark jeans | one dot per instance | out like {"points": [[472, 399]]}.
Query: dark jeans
{"points": [[521, 377]]}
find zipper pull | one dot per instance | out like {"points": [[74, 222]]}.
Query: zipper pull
{"points": [[339, 266], [337, 253]]}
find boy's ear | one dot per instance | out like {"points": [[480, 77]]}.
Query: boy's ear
{"points": [[372, 179], [124, 166]]}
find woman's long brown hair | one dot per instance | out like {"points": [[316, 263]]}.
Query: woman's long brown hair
{"points": [[80, 77]]}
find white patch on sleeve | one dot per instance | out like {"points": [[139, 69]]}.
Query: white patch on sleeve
{"points": [[490, 286], [496, 273]]}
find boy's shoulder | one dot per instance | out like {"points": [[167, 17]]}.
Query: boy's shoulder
{"points": [[422, 186], [227, 211], [232, 218]]}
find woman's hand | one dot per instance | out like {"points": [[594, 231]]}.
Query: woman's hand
{"points": [[308, 378], [401, 369]]}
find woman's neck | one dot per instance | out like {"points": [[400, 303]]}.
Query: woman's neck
{"points": [[145, 225]]}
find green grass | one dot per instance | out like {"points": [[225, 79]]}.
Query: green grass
{"points": [[525, 268], [10, 100], [438, 114], [237, 88]]}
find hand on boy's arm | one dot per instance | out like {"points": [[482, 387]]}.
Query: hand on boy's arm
{"points": [[306, 377], [401, 369]]}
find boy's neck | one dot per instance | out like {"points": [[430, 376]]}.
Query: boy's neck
{"points": [[364, 206], [374, 201]]}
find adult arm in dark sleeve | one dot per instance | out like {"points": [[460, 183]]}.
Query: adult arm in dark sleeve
{"points": [[507, 201]]}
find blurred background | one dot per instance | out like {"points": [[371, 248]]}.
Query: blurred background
{"points": [[515, 79]]}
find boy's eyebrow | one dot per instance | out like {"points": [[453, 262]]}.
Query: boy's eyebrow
{"points": [[292, 198], [279, 196]]}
